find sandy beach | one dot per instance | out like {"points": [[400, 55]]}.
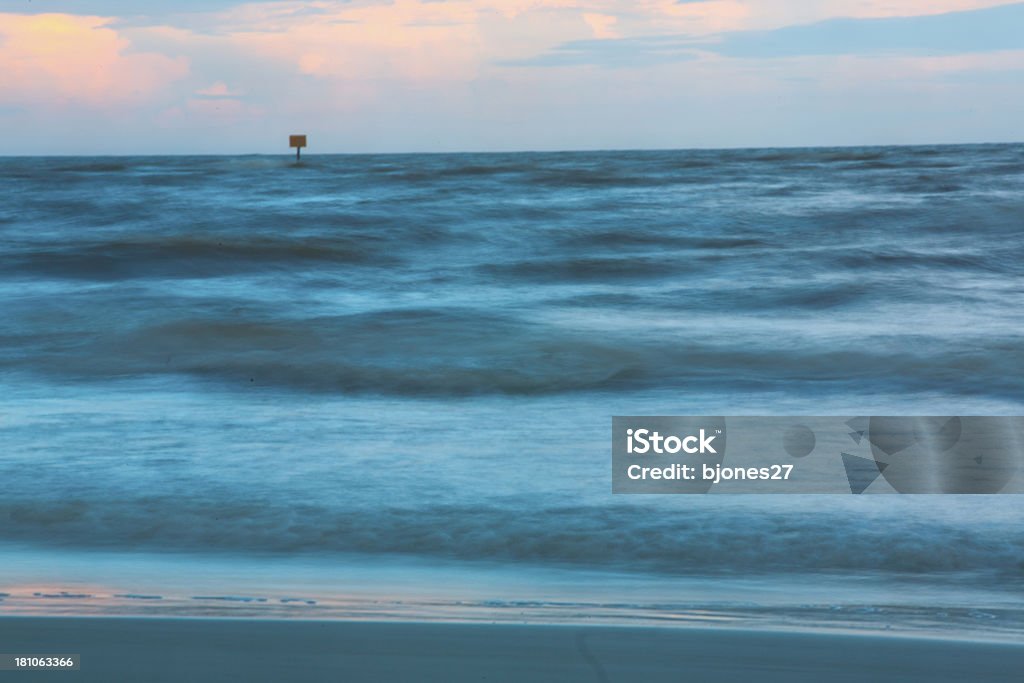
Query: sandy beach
{"points": [[119, 649]]}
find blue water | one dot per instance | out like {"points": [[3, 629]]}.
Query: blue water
{"points": [[415, 358]]}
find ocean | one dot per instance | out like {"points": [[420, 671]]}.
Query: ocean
{"points": [[384, 383]]}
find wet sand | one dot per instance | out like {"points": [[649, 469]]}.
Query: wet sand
{"points": [[199, 650]]}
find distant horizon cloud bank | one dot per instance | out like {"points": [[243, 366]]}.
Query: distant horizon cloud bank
{"points": [[119, 77]]}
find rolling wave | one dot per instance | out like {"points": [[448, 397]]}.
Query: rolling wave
{"points": [[463, 352], [609, 537]]}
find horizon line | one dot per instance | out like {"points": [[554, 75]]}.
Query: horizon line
{"points": [[581, 150]]}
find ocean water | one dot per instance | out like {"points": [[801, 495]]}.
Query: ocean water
{"points": [[394, 376]]}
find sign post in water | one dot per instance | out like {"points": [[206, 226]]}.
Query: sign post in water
{"points": [[298, 142]]}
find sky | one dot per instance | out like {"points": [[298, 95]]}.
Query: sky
{"points": [[223, 76]]}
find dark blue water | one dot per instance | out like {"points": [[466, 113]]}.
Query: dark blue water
{"points": [[420, 354]]}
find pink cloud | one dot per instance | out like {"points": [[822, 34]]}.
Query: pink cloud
{"points": [[602, 25], [77, 59], [218, 90]]}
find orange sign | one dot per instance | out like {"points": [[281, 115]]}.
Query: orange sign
{"points": [[296, 140]]}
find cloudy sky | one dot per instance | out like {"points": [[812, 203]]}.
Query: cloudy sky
{"points": [[223, 76]]}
